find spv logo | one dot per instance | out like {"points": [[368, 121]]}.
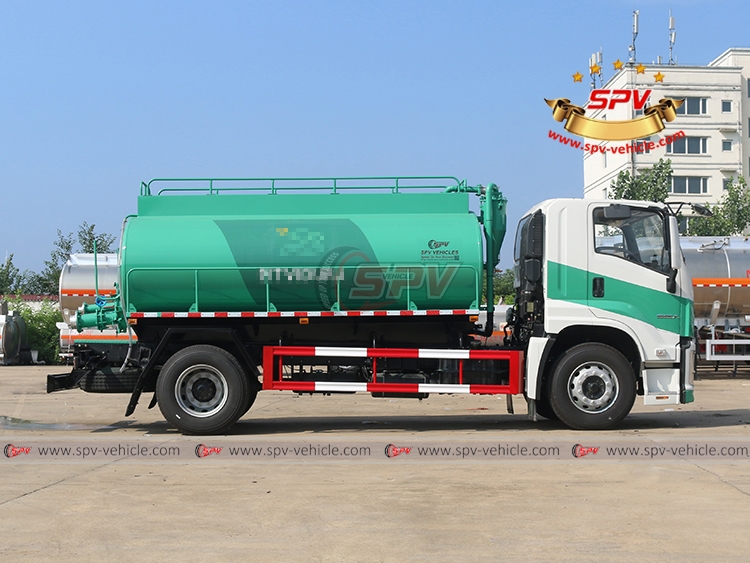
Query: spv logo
{"points": [[608, 99], [583, 451], [12, 451], [392, 450], [202, 450], [435, 244]]}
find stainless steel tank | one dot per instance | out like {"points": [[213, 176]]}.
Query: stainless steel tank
{"points": [[78, 283], [720, 269]]}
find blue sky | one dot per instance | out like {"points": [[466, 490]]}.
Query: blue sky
{"points": [[97, 96]]}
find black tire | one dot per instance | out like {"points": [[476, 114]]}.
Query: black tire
{"points": [[202, 390], [543, 406], [592, 387]]}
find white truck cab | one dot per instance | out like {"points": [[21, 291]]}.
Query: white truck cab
{"points": [[604, 306]]}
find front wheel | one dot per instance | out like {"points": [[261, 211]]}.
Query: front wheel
{"points": [[202, 390], [592, 388]]}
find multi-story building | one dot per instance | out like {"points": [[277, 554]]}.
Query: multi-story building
{"points": [[715, 119]]}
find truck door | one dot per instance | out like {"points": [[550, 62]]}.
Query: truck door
{"points": [[629, 270]]}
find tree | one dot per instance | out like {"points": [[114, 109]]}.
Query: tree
{"points": [[87, 236], [652, 184], [8, 276], [29, 282], [48, 280], [730, 217], [502, 285]]}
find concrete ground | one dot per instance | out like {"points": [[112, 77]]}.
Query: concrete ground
{"points": [[373, 508]]}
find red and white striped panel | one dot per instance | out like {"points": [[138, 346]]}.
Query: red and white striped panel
{"points": [[273, 358], [283, 314], [85, 292], [346, 352], [406, 388], [721, 282]]}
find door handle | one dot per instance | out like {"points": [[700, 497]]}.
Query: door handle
{"points": [[597, 289]]}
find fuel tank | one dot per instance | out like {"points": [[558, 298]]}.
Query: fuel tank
{"points": [[301, 252]]}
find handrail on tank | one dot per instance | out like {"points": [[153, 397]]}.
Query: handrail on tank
{"points": [[276, 268], [335, 187]]}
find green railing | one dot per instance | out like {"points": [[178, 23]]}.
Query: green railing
{"points": [[215, 186], [335, 274]]}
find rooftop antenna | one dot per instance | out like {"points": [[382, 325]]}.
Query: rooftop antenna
{"points": [[672, 36], [631, 48], [596, 60]]}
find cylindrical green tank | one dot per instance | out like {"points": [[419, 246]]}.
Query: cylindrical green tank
{"points": [[301, 252]]}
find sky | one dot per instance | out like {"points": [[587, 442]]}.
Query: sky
{"points": [[96, 97]]}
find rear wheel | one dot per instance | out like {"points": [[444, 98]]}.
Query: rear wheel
{"points": [[203, 390], [592, 387]]}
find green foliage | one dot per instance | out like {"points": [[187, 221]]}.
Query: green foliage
{"points": [[502, 285], [48, 280], [8, 276], [42, 332], [87, 236], [29, 283], [730, 217], [652, 184]]}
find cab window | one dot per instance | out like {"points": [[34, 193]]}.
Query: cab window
{"points": [[638, 236]]}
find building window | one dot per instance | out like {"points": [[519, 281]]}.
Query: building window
{"points": [[693, 106], [726, 106], [726, 182], [726, 145], [689, 185], [688, 145], [641, 145]]}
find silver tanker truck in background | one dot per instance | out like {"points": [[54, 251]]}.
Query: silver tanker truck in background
{"points": [[720, 271]]}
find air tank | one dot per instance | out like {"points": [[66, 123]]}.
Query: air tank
{"points": [[302, 252], [720, 269]]}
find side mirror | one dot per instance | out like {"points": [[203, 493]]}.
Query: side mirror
{"points": [[672, 281]]}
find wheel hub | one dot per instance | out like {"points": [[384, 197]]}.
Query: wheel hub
{"points": [[593, 387], [204, 390], [201, 390]]}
